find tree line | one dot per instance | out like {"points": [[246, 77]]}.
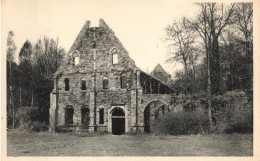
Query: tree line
{"points": [[29, 82], [216, 49]]}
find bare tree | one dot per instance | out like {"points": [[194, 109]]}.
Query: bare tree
{"points": [[47, 56], [181, 40], [201, 26], [243, 20], [211, 21]]}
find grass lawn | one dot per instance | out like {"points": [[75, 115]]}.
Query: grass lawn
{"points": [[69, 144]]}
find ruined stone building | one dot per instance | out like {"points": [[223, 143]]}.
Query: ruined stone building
{"points": [[98, 87], [160, 74]]}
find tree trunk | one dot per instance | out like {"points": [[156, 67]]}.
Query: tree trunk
{"points": [[20, 92], [32, 99], [208, 46], [209, 91], [11, 92], [13, 110], [215, 66], [32, 103]]}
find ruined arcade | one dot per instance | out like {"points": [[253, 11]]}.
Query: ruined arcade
{"points": [[98, 87]]}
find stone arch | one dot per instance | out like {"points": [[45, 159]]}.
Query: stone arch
{"points": [[154, 100], [152, 110], [114, 50], [75, 53]]}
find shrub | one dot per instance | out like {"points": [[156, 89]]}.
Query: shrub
{"points": [[23, 119], [26, 115], [233, 112], [181, 123], [38, 126], [241, 120], [27, 120]]}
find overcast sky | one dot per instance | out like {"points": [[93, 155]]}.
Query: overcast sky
{"points": [[139, 25]]}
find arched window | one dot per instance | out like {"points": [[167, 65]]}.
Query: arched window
{"points": [[124, 82], [83, 85], [85, 117], [114, 53], [75, 56], [69, 111], [67, 84], [105, 82]]}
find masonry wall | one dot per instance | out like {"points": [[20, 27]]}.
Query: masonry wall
{"points": [[93, 46]]}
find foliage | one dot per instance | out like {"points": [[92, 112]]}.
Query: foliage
{"points": [[182, 44], [27, 119], [26, 52], [225, 35], [181, 123], [11, 47], [31, 82], [39, 126], [233, 112]]}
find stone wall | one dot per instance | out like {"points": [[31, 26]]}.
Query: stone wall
{"points": [[94, 47]]}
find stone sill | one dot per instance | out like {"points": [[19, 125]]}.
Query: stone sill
{"points": [[102, 125], [83, 91]]}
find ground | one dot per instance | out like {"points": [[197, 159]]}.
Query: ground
{"points": [[71, 144]]}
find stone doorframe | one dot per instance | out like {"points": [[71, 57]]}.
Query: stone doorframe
{"points": [[110, 118]]}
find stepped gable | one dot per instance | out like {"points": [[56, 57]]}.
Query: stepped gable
{"points": [[103, 38]]}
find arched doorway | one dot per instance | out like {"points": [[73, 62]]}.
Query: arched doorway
{"points": [[118, 121], [85, 117], [152, 111], [69, 112]]}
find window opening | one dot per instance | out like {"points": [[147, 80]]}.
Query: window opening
{"points": [[101, 116], [124, 82], [83, 84], [114, 56], [69, 111], [105, 83], [67, 84]]}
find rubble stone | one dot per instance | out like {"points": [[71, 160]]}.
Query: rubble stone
{"points": [[93, 46]]}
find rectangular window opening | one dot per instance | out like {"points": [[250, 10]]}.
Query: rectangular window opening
{"points": [[101, 116], [123, 82], [83, 85], [115, 59], [67, 84], [105, 83], [76, 60]]}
